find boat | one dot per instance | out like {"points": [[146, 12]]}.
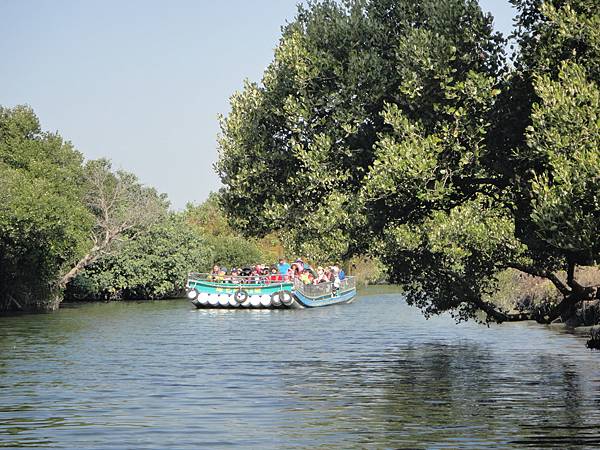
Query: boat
{"points": [[209, 291]]}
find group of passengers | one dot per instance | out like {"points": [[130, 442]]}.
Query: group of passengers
{"points": [[281, 272]]}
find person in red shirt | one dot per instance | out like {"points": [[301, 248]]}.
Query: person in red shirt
{"points": [[275, 275]]}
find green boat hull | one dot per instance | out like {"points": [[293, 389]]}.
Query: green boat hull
{"points": [[208, 287]]}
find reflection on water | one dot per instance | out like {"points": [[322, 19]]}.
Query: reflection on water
{"points": [[373, 374]]}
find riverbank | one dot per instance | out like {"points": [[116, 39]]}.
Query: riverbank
{"points": [[523, 293]]}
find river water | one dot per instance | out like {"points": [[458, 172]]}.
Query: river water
{"points": [[372, 374]]}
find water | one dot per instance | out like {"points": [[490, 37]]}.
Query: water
{"points": [[373, 374]]}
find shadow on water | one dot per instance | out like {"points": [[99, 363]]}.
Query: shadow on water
{"points": [[373, 374], [447, 396]]}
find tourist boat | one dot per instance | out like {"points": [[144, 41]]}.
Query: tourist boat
{"points": [[207, 291]]}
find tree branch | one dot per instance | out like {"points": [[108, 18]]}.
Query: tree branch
{"points": [[562, 287], [557, 311], [491, 311], [119, 203], [87, 259]]}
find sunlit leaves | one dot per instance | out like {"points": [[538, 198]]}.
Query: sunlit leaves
{"points": [[566, 132], [404, 121], [405, 162]]}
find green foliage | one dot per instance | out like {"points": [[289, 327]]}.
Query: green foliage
{"points": [[120, 204], [566, 131], [439, 259], [153, 261], [43, 224], [227, 248], [366, 270], [299, 145], [153, 265], [119, 201], [234, 251], [208, 217], [557, 30], [58, 215], [396, 128]]}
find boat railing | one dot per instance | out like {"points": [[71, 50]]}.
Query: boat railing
{"points": [[322, 289], [237, 279]]}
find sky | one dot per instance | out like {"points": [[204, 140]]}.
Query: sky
{"points": [[142, 82]]}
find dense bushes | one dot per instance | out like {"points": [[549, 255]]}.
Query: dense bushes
{"points": [[151, 265], [154, 263]]}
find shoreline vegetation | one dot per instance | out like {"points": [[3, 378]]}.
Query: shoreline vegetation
{"points": [[397, 137]]}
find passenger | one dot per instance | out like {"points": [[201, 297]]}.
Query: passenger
{"points": [[336, 281], [289, 276], [321, 276], [235, 276], [215, 273], [308, 267], [257, 271], [275, 275], [300, 264], [342, 274], [221, 276], [246, 274], [306, 277], [296, 270], [334, 272], [283, 266], [226, 276]]}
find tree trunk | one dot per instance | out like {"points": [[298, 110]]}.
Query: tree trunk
{"points": [[89, 258], [31, 299]]}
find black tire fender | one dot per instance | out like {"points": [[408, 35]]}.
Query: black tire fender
{"points": [[286, 297], [275, 298], [240, 296]]}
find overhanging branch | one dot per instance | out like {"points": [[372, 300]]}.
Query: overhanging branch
{"points": [[558, 283], [491, 311]]}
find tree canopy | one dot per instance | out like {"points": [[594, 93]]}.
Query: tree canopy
{"points": [[151, 264], [119, 204], [227, 247], [41, 179], [153, 261], [400, 129], [58, 214]]}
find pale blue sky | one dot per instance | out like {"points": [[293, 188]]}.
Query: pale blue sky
{"points": [[142, 82]]}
